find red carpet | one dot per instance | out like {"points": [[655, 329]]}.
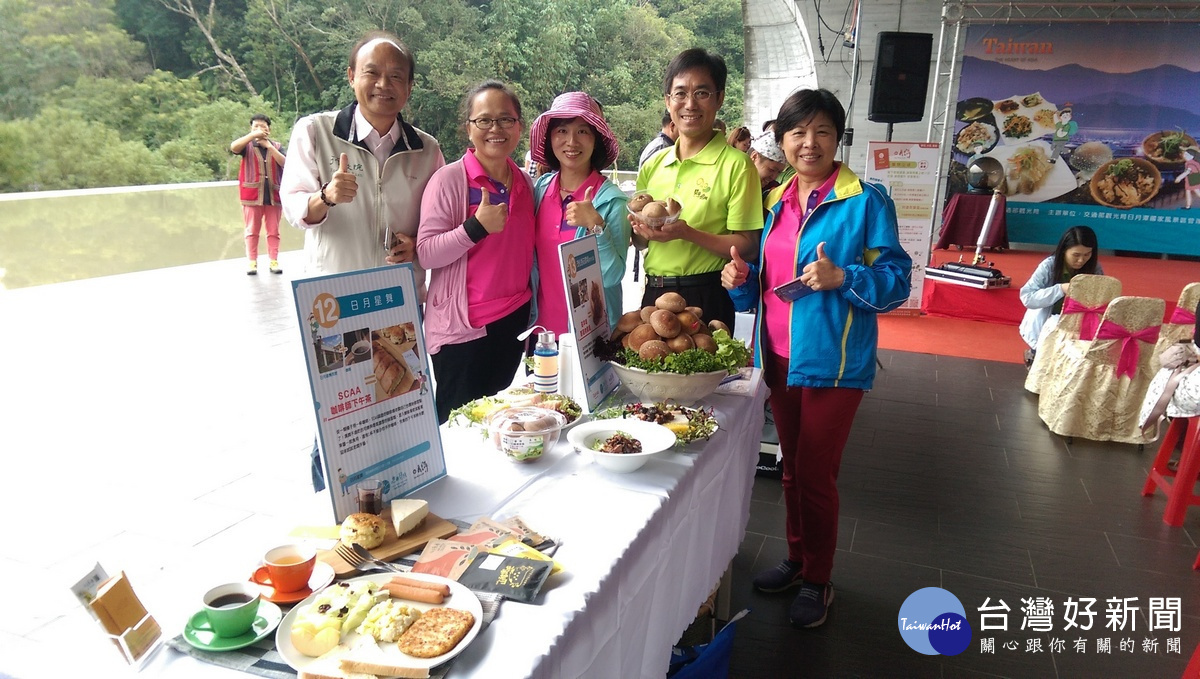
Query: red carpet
{"points": [[971, 323]]}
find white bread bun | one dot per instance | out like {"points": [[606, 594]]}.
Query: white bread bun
{"points": [[367, 530]]}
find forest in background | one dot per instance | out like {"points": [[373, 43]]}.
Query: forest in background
{"points": [[129, 92]]}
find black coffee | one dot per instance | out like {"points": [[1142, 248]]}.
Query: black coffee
{"points": [[230, 600]]}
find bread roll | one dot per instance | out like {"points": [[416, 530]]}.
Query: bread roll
{"points": [[367, 530]]}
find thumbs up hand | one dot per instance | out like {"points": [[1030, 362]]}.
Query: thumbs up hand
{"points": [[492, 217], [583, 213], [822, 274], [344, 185], [735, 272]]}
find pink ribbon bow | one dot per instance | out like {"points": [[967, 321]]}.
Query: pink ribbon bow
{"points": [[1091, 316], [1130, 351], [1181, 316]]}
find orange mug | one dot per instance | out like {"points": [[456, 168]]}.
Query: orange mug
{"points": [[287, 568]]}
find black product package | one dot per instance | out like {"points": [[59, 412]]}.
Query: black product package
{"points": [[512, 576]]}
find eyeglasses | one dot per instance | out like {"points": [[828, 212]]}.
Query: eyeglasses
{"points": [[680, 96], [488, 123]]}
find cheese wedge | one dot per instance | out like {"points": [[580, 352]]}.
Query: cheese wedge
{"points": [[406, 514]]}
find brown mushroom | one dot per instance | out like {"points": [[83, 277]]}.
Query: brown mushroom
{"points": [[680, 343], [640, 335], [705, 342], [690, 322], [654, 349], [665, 323], [673, 206], [629, 321], [715, 325], [671, 301], [654, 210], [645, 313], [696, 310], [639, 201]]}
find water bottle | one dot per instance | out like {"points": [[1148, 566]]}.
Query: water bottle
{"points": [[545, 364]]}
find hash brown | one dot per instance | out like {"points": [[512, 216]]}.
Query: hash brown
{"points": [[437, 632]]}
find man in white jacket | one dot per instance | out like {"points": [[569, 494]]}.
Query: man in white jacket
{"points": [[355, 176]]}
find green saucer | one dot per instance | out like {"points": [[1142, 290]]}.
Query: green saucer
{"points": [[198, 633]]}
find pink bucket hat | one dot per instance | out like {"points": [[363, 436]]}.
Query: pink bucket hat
{"points": [[565, 107]]}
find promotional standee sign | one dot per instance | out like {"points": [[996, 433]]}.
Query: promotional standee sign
{"points": [[1094, 124], [588, 317], [369, 375], [909, 171]]}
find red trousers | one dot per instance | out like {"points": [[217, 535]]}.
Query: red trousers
{"points": [[813, 424], [256, 217]]}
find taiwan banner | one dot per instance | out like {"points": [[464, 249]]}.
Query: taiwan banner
{"points": [[1094, 124]]}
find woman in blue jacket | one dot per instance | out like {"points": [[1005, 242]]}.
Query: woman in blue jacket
{"points": [[575, 200], [831, 240]]}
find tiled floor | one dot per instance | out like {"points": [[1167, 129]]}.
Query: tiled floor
{"points": [[951, 480]]}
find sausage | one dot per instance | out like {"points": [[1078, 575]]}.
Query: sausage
{"points": [[414, 593], [423, 584]]}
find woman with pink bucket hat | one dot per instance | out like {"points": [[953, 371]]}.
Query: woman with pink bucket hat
{"points": [[574, 200]]}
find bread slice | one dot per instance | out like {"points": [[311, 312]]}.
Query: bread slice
{"points": [[437, 632], [352, 666]]}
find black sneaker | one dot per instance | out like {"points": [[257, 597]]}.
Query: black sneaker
{"points": [[811, 605], [784, 576]]}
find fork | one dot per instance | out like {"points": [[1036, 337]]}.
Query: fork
{"points": [[358, 557]]}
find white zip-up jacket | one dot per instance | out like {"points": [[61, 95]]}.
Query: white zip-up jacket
{"points": [[352, 235]]}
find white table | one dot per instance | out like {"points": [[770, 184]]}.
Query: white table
{"points": [[641, 551]]}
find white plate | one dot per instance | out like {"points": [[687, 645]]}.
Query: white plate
{"points": [[1060, 180], [681, 415], [1038, 129], [460, 598]]}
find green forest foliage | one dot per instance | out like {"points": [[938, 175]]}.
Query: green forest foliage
{"points": [[123, 92]]}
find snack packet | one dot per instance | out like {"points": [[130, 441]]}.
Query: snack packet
{"points": [[514, 547], [514, 577], [445, 558], [528, 535]]}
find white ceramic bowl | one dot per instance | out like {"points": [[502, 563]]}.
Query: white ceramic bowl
{"points": [[664, 386], [655, 438]]}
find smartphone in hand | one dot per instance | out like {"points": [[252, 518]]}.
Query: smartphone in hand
{"points": [[793, 290]]}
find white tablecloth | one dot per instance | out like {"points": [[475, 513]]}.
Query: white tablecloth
{"points": [[641, 551]]}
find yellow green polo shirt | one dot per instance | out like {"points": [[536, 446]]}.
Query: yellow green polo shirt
{"points": [[719, 192]]}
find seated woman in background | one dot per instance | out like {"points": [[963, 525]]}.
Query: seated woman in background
{"points": [[1175, 390], [1043, 294]]}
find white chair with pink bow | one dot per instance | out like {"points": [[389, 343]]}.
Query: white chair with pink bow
{"points": [[1180, 325], [1087, 298], [1098, 395]]}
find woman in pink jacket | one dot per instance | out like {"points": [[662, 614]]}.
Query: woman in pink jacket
{"points": [[476, 238]]}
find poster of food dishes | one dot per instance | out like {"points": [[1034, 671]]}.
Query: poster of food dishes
{"points": [[368, 371], [584, 283], [909, 171], [1087, 134]]}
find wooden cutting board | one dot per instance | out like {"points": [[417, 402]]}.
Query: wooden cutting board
{"points": [[433, 527]]}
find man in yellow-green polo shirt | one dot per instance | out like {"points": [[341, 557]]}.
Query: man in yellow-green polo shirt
{"points": [[716, 185]]}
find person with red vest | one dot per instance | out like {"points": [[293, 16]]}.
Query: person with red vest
{"points": [[258, 183]]}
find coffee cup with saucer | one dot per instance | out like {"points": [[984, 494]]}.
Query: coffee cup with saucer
{"points": [[322, 575], [234, 616]]}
